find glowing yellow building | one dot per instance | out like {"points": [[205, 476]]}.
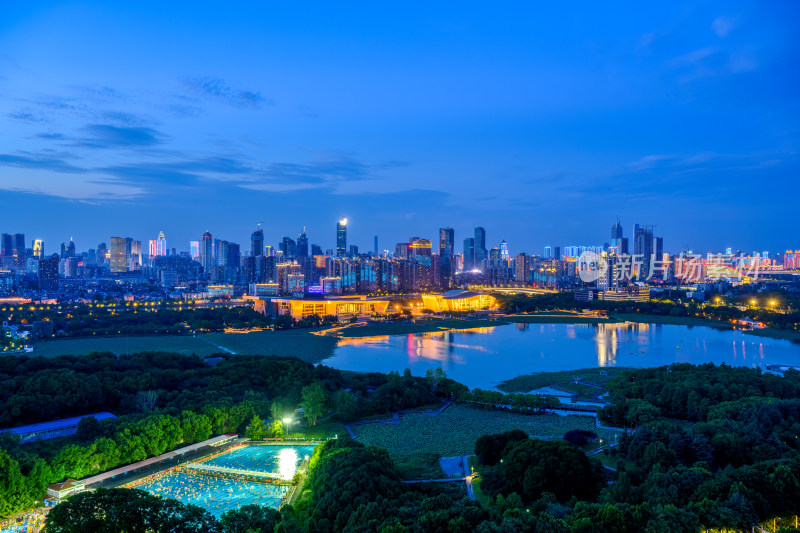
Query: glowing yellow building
{"points": [[341, 306], [457, 300]]}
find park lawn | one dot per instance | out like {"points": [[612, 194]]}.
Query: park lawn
{"points": [[480, 496], [456, 429], [330, 429], [563, 380], [418, 465], [426, 326], [299, 343]]}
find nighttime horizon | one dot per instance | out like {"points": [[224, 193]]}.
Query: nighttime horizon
{"points": [[413, 268]]}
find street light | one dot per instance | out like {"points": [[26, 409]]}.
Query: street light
{"points": [[287, 421]]}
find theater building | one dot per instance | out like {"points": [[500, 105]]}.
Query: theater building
{"points": [[457, 300], [338, 306]]}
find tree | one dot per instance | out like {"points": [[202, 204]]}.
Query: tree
{"points": [[255, 429], [250, 518], [146, 400], [579, 437], [89, 428], [280, 409], [13, 495], [314, 399], [345, 403], [435, 376]]}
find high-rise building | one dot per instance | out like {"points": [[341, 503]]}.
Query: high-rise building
{"points": [[504, 255], [548, 252], [288, 247], [102, 254], [38, 249], [341, 237], [376, 245], [616, 231], [522, 266], [643, 248], [446, 253], [480, 245], [194, 250], [118, 259], [134, 249], [207, 252], [301, 249], [7, 249], [152, 249], [316, 249], [161, 248], [469, 253], [18, 250], [70, 251], [257, 243], [48, 273]]}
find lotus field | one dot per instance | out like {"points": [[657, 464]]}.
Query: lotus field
{"points": [[456, 429]]}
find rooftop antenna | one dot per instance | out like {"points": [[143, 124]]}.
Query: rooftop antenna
{"points": [[259, 224]]}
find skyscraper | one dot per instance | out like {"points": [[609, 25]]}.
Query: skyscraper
{"points": [[446, 252], [48, 273], [38, 249], [341, 237], [469, 253], [376, 245], [257, 243], [161, 247], [118, 255], [194, 249], [19, 250], [301, 250], [616, 232], [643, 248], [480, 245], [207, 252], [504, 255]]}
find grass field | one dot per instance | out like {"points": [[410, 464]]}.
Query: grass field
{"points": [[785, 334], [562, 380], [288, 343], [455, 431], [426, 326]]}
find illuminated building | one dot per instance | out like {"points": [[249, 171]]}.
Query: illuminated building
{"points": [[338, 306], [118, 255], [633, 293], [48, 273], [207, 252], [194, 249], [263, 289], [522, 266], [480, 246], [152, 249], [301, 249], [791, 260], [457, 300], [38, 249], [6, 282], [257, 243], [341, 237], [446, 253], [504, 255], [161, 247], [220, 291], [134, 249]]}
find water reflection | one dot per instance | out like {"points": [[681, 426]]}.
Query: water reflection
{"points": [[287, 463], [485, 356]]}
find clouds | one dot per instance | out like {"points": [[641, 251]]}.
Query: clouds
{"points": [[218, 89], [108, 136]]}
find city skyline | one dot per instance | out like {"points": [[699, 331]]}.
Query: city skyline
{"points": [[540, 128]]}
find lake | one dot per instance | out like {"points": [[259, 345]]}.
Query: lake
{"points": [[484, 357]]}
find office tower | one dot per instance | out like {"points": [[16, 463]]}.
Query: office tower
{"points": [[70, 251], [480, 245], [118, 255], [38, 249], [233, 255], [288, 247], [257, 243], [207, 252], [643, 248], [194, 250], [152, 249], [658, 247], [616, 231], [316, 249], [249, 269], [222, 253], [63, 253], [557, 253], [48, 273], [134, 249], [269, 251], [504, 255], [376, 245], [102, 254], [469, 253], [623, 246], [353, 250], [6, 282], [341, 237], [301, 250], [446, 253], [6, 248], [548, 252], [522, 266], [161, 248]]}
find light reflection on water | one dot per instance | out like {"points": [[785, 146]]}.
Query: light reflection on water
{"points": [[483, 357]]}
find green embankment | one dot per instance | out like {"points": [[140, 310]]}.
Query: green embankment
{"points": [[564, 380], [427, 326]]}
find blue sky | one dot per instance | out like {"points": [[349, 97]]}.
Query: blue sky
{"points": [[542, 123]]}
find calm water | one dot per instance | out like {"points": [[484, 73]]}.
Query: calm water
{"points": [[484, 357]]}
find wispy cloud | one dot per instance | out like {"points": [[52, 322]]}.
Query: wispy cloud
{"points": [[108, 136], [219, 89], [722, 26], [38, 161]]}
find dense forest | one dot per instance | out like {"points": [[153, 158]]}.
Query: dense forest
{"points": [[710, 448]]}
